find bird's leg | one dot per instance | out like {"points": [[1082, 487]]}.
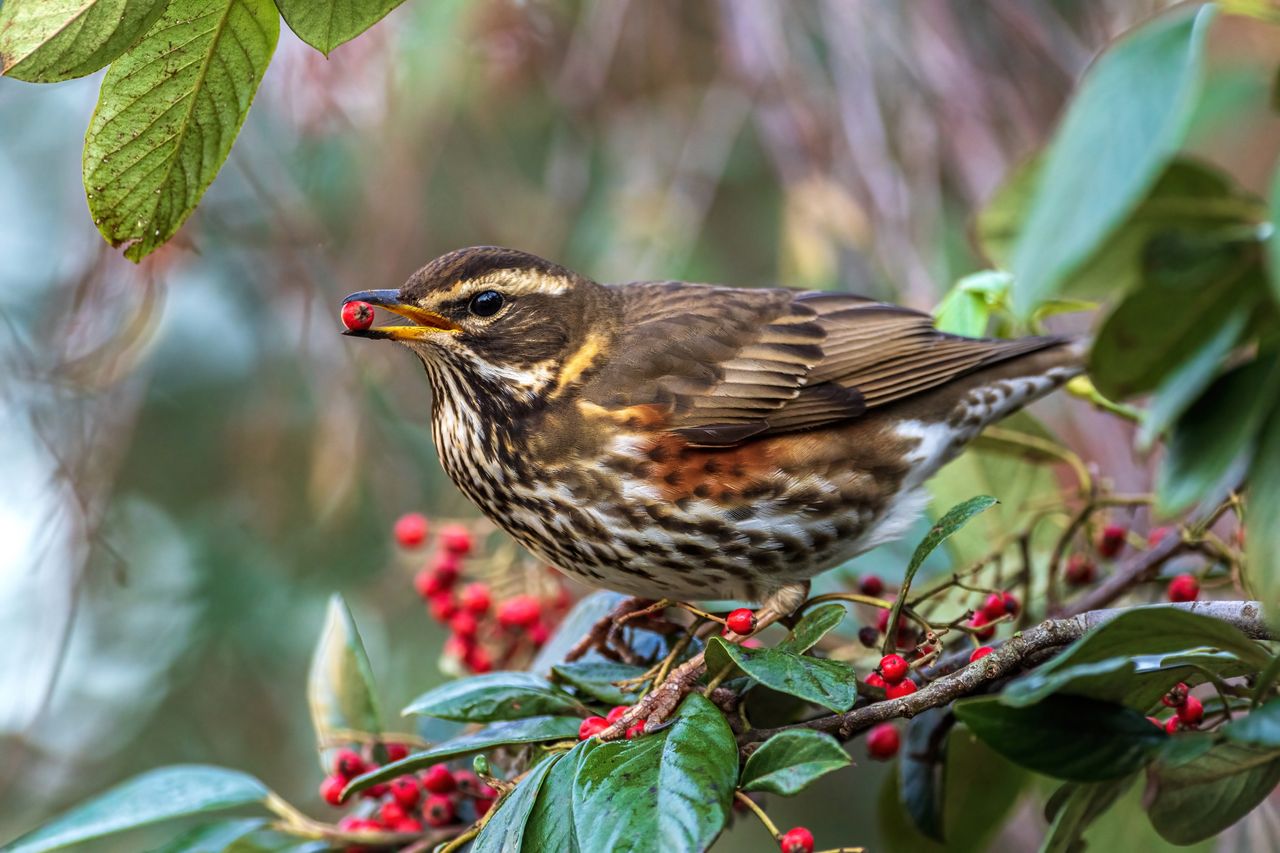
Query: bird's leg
{"points": [[602, 632], [665, 697]]}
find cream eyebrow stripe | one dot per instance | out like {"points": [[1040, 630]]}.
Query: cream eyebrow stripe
{"points": [[512, 283]]}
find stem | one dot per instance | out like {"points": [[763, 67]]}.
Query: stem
{"points": [[758, 812]]}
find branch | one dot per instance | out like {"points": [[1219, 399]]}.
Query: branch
{"points": [[1128, 574], [1007, 659]]}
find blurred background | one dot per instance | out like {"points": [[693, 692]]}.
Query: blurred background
{"points": [[194, 459]]}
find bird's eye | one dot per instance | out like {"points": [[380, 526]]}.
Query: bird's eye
{"points": [[486, 304]]}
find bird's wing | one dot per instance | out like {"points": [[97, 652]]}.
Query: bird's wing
{"points": [[723, 365]]}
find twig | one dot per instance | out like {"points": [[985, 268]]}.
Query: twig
{"points": [[1011, 656]]}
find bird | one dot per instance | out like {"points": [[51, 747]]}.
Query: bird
{"points": [[685, 441]]}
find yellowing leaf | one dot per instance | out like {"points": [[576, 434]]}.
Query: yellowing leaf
{"points": [[42, 41]]}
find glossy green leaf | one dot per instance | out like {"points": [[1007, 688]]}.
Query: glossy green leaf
{"points": [[1079, 805], [670, 790], [812, 627], [1066, 737], [506, 828], [167, 115], [1260, 727], [921, 769], [42, 41], [160, 795], [1273, 242], [325, 24], [954, 519], [212, 837], [495, 696], [1264, 517], [968, 306], [550, 822], [1125, 123], [1136, 656], [790, 761], [1200, 799], [531, 730], [596, 679], [340, 688], [829, 683], [1217, 431]]}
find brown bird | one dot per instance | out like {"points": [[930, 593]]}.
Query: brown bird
{"points": [[689, 441]]}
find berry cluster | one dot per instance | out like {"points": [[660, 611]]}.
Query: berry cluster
{"points": [[483, 632], [1082, 570], [1188, 710], [593, 726], [891, 675], [436, 797]]}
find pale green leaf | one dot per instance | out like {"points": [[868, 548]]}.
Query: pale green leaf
{"points": [[340, 687], [1262, 544], [42, 41], [168, 112]]}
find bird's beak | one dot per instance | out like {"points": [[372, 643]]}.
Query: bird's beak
{"points": [[427, 323]]}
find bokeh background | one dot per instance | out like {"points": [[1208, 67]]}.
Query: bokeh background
{"points": [[191, 457]]}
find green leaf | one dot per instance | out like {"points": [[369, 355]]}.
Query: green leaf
{"points": [[954, 519], [325, 24], [812, 627], [42, 41], [1136, 656], [1066, 737], [1273, 242], [506, 828], [967, 308], [168, 112], [596, 679], [1080, 804], [1220, 428], [550, 823], [1266, 678], [212, 837], [1261, 727], [495, 696], [670, 790], [921, 770], [829, 683], [184, 790], [340, 687], [1264, 516], [791, 761], [531, 730], [1200, 799], [1125, 123]]}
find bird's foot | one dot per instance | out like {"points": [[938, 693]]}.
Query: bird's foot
{"points": [[605, 635]]}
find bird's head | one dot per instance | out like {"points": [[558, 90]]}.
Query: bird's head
{"points": [[496, 315]]}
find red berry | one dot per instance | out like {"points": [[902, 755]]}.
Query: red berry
{"points": [[438, 779], [979, 619], [591, 727], [469, 783], [1011, 603], [882, 621], [875, 680], [475, 597], [396, 751], [1176, 696], [539, 633], [357, 315], [422, 584], [1156, 534], [442, 607], [519, 611], [458, 647], [1080, 570], [1184, 588], [411, 529], [883, 741], [478, 660], [1111, 542], [1172, 725], [331, 789], [868, 636], [635, 729], [903, 688], [993, 607], [375, 792], [348, 764], [616, 713], [408, 825], [448, 566], [870, 585], [455, 539], [1191, 712], [438, 810], [893, 668], [483, 805], [741, 621], [797, 840], [1155, 722], [391, 813], [405, 791], [980, 652], [464, 624]]}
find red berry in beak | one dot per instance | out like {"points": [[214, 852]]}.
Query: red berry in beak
{"points": [[357, 316]]}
